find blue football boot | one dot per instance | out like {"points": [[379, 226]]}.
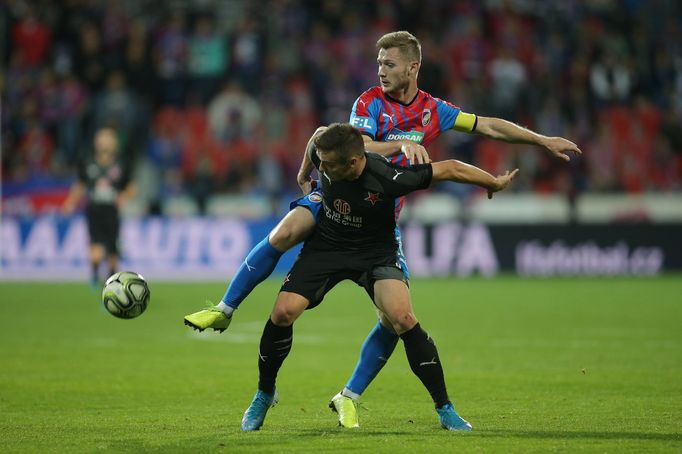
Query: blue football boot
{"points": [[450, 420], [255, 414]]}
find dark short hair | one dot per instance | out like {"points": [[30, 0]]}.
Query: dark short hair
{"points": [[342, 138], [408, 45]]}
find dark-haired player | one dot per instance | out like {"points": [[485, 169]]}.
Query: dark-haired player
{"points": [[355, 239]]}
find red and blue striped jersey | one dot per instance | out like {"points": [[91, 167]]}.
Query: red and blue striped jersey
{"points": [[421, 121]]}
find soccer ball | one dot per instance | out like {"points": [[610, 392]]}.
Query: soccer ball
{"points": [[125, 294]]}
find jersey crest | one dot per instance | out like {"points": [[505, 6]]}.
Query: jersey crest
{"points": [[426, 117], [342, 206], [373, 197]]}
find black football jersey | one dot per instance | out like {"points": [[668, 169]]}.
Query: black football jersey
{"points": [[360, 215], [103, 183]]}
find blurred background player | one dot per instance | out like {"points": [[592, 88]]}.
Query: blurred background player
{"points": [[105, 181]]}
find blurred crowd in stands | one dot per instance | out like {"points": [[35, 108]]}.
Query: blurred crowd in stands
{"points": [[220, 96]]}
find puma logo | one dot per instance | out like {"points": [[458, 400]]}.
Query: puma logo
{"points": [[433, 361]]}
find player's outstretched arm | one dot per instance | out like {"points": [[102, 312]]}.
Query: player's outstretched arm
{"points": [[460, 172], [498, 129], [416, 153], [303, 177]]}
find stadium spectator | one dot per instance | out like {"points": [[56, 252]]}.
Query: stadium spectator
{"points": [[36, 148], [31, 38], [91, 62], [509, 80], [116, 106], [248, 54], [610, 79], [69, 129], [171, 58], [207, 59], [233, 114], [138, 63], [164, 154]]}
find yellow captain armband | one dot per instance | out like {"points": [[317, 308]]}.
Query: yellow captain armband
{"points": [[465, 122]]}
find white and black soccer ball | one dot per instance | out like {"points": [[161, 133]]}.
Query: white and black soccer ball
{"points": [[126, 294]]}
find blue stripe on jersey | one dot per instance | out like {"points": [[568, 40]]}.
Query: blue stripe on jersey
{"points": [[447, 114], [374, 107], [394, 116], [384, 124], [399, 159], [374, 110], [401, 123]]}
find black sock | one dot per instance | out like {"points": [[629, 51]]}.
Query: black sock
{"points": [[425, 363], [94, 267], [275, 344]]}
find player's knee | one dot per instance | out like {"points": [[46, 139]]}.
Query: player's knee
{"points": [[96, 252], [283, 238], [404, 322], [386, 323], [287, 235], [282, 315]]}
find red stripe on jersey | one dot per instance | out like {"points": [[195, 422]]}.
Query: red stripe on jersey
{"points": [[406, 118]]}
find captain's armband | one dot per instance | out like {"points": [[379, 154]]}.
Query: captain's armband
{"points": [[465, 122]]}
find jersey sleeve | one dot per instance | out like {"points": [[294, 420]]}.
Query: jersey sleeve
{"points": [[452, 117], [365, 113], [397, 181]]}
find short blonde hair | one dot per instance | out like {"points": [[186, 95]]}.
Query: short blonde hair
{"points": [[406, 42]]}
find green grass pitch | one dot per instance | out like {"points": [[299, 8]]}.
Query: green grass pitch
{"points": [[562, 365]]}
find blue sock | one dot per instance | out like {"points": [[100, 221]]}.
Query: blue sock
{"points": [[257, 266], [374, 353]]}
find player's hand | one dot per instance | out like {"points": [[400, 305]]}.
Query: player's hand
{"points": [[306, 185], [502, 182], [559, 147], [416, 153]]}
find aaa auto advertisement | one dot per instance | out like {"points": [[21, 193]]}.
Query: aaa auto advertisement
{"points": [[49, 247]]}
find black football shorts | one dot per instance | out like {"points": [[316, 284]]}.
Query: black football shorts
{"points": [[104, 226], [317, 272]]}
